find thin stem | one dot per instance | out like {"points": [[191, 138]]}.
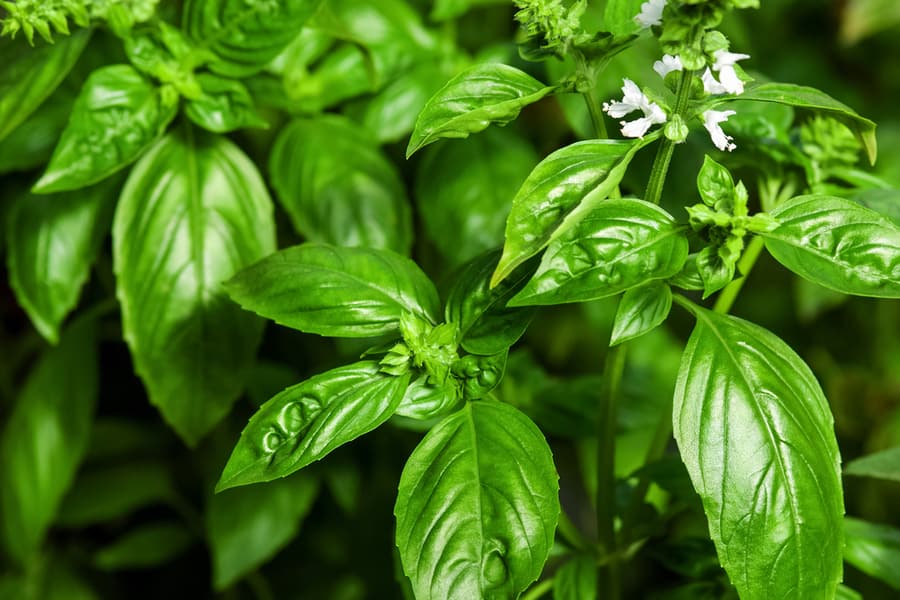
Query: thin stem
{"points": [[538, 590], [727, 297], [667, 147], [587, 74], [570, 533]]}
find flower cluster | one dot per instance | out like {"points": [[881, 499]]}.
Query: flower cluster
{"points": [[634, 99]]}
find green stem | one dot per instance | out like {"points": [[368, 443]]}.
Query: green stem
{"points": [[570, 533], [587, 76], [538, 590], [727, 297], [667, 147]]}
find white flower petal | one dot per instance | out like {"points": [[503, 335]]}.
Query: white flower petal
{"points": [[668, 64], [723, 58], [711, 85], [712, 120], [636, 128], [651, 13], [617, 110], [730, 81], [655, 113]]}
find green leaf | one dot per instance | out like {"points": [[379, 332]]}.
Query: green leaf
{"points": [[249, 525], [45, 439], [147, 546], [714, 183], [837, 244], [882, 465], [621, 244], [486, 325], [29, 75], [477, 505], [424, 400], [337, 186], [873, 549], [225, 106], [808, 98], [117, 116], [245, 34], [334, 291], [470, 102], [307, 421], [576, 580], [640, 310], [618, 16], [443, 10], [464, 189], [715, 273], [194, 210], [558, 193], [52, 243], [757, 437], [845, 593]]}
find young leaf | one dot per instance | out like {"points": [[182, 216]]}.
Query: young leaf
{"points": [[249, 525], [147, 546], [486, 325], [808, 98], [334, 291], [471, 101], [425, 400], [714, 183], [477, 505], [621, 244], [464, 188], [53, 241], [837, 244], [245, 34], [225, 106], [29, 75], [45, 439], [305, 422], [873, 549], [193, 211], [883, 465], [337, 186], [576, 580], [757, 437], [117, 116], [640, 310], [558, 193]]}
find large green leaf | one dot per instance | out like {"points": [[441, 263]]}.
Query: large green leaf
{"points": [[338, 187], [837, 244], [477, 505], [757, 437], [471, 101], [640, 310], [486, 325], [29, 75], [464, 189], [334, 291], [194, 210], [117, 116], [249, 525], [305, 422], [53, 241], [577, 579], [621, 244], [245, 34], [808, 98], [558, 193], [883, 465], [873, 549], [45, 439]]}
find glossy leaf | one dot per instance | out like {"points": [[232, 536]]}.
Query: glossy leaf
{"points": [[618, 16], [53, 241], [117, 116], [307, 421], [470, 102], [714, 183], [873, 549], [477, 505], [621, 244], [194, 210], [558, 193], [808, 98], [147, 546], [640, 310], [29, 75], [45, 439], [881, 465], [424, 400], [334, 291], [576, 579], [225, 106], [31, 144], [486, 324], [837, 244], [757, 437], [337, 186], [249, 525], [245, 34], [464, 189]]}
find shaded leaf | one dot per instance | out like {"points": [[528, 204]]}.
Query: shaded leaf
{"points": [[224, 106], [576, 579], [640, 310], [882, 465], [874, 549], [144, 547]]}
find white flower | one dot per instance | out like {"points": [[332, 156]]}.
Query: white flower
{"points": [[668, 64], [712, 120], [651, 13], [728, 82], [633, 99]]}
